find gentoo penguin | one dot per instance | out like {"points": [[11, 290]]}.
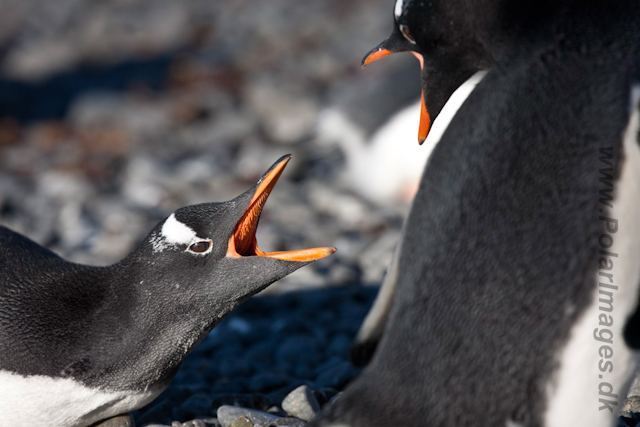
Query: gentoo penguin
{"points": [[79, 344], [397, 163], [455, 42], [452, 40], [520, 263]]}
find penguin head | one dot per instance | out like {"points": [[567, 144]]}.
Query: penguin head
{"points": [[210, 252], [447, 37]]}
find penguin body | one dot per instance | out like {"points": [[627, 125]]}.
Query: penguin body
{"points": [[81, 343], [454, 41], [372, 328], [519, 266]]}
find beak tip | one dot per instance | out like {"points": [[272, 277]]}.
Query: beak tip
{"points": [[375, 54], [325, 252]]}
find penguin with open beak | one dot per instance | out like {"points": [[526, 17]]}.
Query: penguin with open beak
{"points": [[79, 343], [451, 41], [517, 284]]}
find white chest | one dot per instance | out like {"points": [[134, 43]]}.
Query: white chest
{"points": [[47, 402], [595, 366]]}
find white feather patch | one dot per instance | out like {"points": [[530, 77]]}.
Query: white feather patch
{"points": [[397, 11], [59, 402], [392, 151], [577, 392], [453, 104], [176, 232]]}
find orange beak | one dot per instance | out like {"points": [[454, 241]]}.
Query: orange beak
{"points": [[243, 240], [425, 121], [375, 54]]}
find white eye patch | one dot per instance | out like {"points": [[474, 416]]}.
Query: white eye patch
{"points": [[397, 11], [174, 233]]}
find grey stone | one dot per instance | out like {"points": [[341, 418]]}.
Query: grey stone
{"points": [[228, 415], [301, 403], [634, 389], [242, 422], [277, 411], [288, 422], [286, 117], [204, 422], [631, 406], [125, 420]]}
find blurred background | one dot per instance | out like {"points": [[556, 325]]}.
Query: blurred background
{"points": [[115, 113]]}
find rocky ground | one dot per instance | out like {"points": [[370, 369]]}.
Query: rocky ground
{"points": [[115, 113]]}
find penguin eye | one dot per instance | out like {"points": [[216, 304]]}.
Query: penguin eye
{"points": [[407, 35], [200, 247]]}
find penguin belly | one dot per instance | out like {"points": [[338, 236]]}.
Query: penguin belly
{"points": [[43, 401], [595, 365]]}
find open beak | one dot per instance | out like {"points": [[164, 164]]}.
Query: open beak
{"points": [[243, 241], [375, 54], [425, 121]]}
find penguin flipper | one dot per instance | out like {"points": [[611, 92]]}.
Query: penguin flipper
{"points": [[631, 331], [374, 324]]}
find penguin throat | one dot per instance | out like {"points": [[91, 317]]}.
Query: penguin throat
{"points": [[243, 241]]}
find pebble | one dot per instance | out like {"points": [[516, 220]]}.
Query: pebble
{"points": [[286, 117], [203, 422], [256, 401], [287, 422], [301, 403], [117, 421], [228, 415], [631, 406], [242, 422]]}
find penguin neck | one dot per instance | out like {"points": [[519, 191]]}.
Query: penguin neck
{"points": [[154, 328]]}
